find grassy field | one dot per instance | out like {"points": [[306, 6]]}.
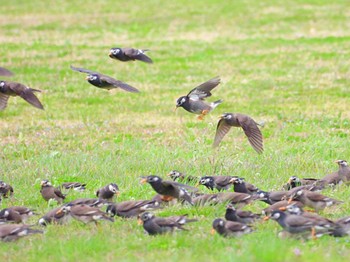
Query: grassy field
{"points": [[282, 62]]}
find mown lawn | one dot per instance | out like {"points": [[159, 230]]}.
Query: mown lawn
{"points": [[282, 62]]}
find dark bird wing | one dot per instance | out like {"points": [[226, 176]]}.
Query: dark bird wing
{"points": [[82, 70], [26, 93], [137, 54], [118, 83], [58, 193], [174, 184], [203, 91], [252, 131], [5, 72], [221, 130], [3, 101]]}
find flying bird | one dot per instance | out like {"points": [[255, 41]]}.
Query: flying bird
{"points": [[8, 89], [129, 54], [5, 72], [249, 126], [104, 81], [194, 103]]}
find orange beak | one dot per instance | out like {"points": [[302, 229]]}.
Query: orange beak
{"points": [[282, 209], [168, 175], [266, 218], [289, 181], [197, 184], [290, 200], [59, 212], [139, 221], [175, 108], [117, 193], [143, 180], [212, 231]]}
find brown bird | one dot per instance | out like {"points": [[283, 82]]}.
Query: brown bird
{"points": [[203, 199], [93, 202], [237, 199], [54, 217], [230, 228], [344, 171], [8, 89], [170, 188], [181, 177], [108, 192], [131, 208], [11, 232], [129, 54], [5, 189], [314, 200], [249, 126], [49, 192], [277, 205], [295, 181], [104, 81], [85, 213], [218, 182], [16, 214], [5, 72]]}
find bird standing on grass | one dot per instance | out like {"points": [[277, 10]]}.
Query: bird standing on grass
{"points": [[194, 103], [49, 192]]}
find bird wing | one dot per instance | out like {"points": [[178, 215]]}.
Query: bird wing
{"points": [[5, 72], [58, 193], [82, 70], [137, 54], [221, 130], [174, 184], [3, 101], [203, 91], [118, 83], [26, 93], [252, 131]]}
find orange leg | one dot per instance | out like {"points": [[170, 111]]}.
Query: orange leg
{"points": [[313, 233], [202, 115]]}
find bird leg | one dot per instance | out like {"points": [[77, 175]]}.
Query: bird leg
{"points": [[202, 115], [313, 233]]}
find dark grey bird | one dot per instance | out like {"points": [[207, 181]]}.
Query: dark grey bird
{"points": [[5, 72], [74, 185], [194, 103], [181, 177], [93, 202], [131, 208], [104, 81], [295, 181], [160, 225], [242, 216], [249, 126], [8, 89], [170, 189], [240, 186], [11, 232], [218, 182], [5, 189], [230, 228], [16, 214], [108, 192], [129, 54]]}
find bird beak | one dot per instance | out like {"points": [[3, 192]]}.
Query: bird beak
{"points": [[290, 200], [117, 193], [282, 209], [289, 181], [139, 221], [110, 54], [212, 231], [232, 180], [197, 184], [42, 182], [59, 212], [221, 117], [175, 108], [337, 161], [143, 180], [266, 218], [87, 77], [168, 175]]}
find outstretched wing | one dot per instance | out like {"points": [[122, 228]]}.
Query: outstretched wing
{"points": [[203, 91], [118, 83], [82, 70], [252, 131], [221, 130], [26, 93], [3, 101], [137, 54], [5, 72]]}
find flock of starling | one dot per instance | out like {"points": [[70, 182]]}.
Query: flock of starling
{"points": [[287, 207]]}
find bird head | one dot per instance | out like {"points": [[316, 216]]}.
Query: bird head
{"points": [[114, 51], [181, 101], [341, 162], [45, 183], [113, 188]]}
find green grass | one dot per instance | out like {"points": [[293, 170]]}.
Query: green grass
{"points": [[282, 62]]}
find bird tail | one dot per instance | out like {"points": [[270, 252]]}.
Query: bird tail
{"points": [[216, 103], [35, 90]]}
